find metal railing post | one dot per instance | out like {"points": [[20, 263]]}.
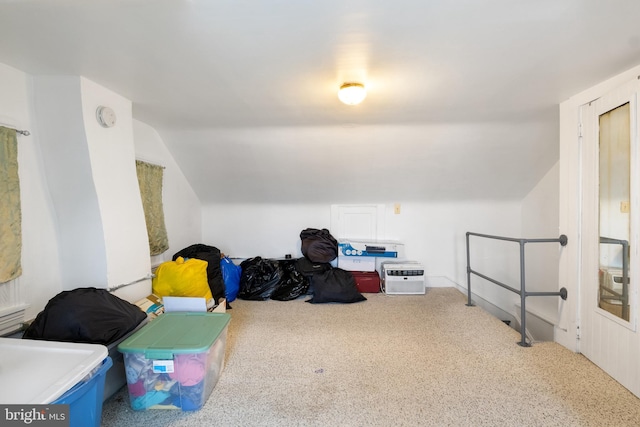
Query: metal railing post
{"points": [[469, 302], [523, 299], [562, 293]]}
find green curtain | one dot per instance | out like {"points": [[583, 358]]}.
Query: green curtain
{"points": [[10, 212], [150, 181]]}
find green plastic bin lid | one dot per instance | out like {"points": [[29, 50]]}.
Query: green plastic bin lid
{"points": [[176, 333]]}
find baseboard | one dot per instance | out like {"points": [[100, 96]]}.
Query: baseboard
{"points": [[438, 282]]}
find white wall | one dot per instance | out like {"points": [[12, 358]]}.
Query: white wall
{"points": [[364, 163], [540, 220], [93, 183], [62, 138], [41, 277], [112, 155], [434, 233], [266, 230], [182, 210]]}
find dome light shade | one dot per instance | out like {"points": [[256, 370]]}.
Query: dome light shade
{"points": [[352, 93]]}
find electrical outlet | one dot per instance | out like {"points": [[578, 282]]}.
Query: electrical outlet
{"points": [[624, 207], [396, 209]]}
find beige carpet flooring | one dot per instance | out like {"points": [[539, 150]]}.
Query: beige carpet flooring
{"points": [[392, 361]]}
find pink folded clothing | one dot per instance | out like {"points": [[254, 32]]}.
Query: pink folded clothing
{"points": [[189, 369]]}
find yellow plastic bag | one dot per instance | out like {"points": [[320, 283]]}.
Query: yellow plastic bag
{"points": [[182, 278]]}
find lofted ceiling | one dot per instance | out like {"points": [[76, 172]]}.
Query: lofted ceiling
{"points": [[462, 94]]}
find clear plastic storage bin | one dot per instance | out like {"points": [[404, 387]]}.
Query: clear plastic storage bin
{"points": [[175, 361]]}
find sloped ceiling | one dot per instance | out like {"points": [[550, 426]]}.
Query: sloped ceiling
{"points": [[462, 95]]}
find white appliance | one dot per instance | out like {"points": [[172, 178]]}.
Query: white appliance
{"points": [[403, 278]]}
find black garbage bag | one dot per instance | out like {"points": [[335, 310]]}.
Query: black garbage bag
{"points": [[335, 285], [292, 283], [318, 245], [212, 255], [308, 269], [85, 315], [259, 278]]}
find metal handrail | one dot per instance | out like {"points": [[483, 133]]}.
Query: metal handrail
{"points": [[522, 291]]}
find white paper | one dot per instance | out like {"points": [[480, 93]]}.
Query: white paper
{"points": [[174, 304]]}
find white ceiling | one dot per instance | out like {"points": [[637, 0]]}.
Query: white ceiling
{"points": [[461, 93]]}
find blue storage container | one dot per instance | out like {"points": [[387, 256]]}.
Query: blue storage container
{"points": [[40, 372], [85, 398]]}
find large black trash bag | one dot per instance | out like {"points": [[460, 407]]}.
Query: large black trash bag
{"points": [[292, 283], [335, 285], [259, 278], [308, 269], [85, 315], [212, 255], [318, 245]]}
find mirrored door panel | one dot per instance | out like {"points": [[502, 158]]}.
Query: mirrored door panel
{"points": [[614, 211]]}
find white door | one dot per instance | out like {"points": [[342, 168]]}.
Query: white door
{"points": [[358, 222], [609, 235]]}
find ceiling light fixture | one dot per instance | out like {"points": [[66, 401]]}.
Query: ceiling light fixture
{"points": [[352, 93]]}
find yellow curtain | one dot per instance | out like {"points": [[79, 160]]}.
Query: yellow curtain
{"points": [[150, 181], [10, 212]]}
